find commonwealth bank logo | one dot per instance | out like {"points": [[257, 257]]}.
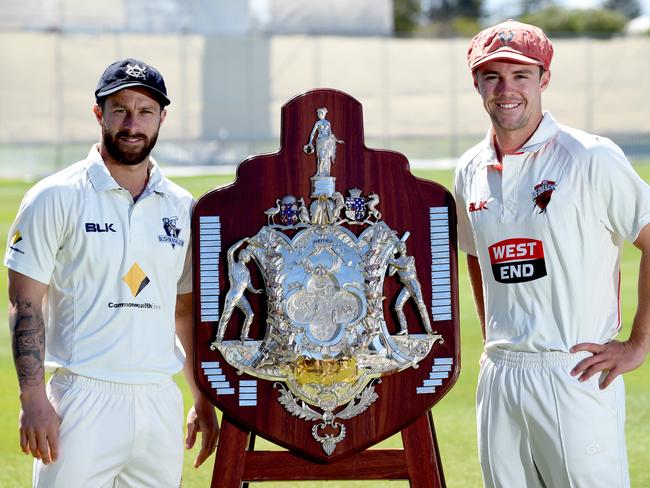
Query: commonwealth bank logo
{"points": [[15, 240], [136, 279]]}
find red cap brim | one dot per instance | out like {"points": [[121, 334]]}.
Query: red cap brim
{"points": [[505, 55]]}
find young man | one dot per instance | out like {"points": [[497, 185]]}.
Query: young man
{"points": [[543, 211], [99, 288]]}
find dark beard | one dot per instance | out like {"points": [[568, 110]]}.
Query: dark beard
{"points": [[131, 158]]}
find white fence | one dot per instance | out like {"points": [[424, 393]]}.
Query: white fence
{"points": [[417, 94]]}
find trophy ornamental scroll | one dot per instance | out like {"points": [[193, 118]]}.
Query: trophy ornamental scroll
{"points": [[325, 279]]}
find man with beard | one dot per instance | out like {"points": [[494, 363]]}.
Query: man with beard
{"points": [[543, 211], [99, 290]]}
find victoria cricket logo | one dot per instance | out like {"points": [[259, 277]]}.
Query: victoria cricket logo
{"points": [[172, 232], [542, 194], [136, 71]]}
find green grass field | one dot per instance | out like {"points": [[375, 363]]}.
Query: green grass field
{"points": [[453, 416]]}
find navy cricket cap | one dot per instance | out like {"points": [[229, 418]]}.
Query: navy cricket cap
{"points": [[128, 73]]}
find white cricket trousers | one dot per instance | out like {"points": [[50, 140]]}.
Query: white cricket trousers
{"points": [[539, 427], [114, 434]]}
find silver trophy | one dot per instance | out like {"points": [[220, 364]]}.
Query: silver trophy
{"points": [[326, 342]]}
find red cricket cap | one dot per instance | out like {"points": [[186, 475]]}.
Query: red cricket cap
{"points": [[510, 41]]}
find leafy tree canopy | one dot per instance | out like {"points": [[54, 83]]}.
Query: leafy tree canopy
{"points": [[559, 20], [630, 8]]}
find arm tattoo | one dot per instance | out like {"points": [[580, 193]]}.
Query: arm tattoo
{"points": [[27, 340]]}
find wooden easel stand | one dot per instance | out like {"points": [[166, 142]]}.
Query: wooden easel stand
{"points": [[419, 461]]}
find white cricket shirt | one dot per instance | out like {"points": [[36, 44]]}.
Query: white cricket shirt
{"points": [[113, 268], [548, 227]]}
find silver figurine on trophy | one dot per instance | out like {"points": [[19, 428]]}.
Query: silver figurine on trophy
{"points": [[326, 141]]}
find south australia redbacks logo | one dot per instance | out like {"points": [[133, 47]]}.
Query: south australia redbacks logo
{"points": [[517, 260], [542, 194]]}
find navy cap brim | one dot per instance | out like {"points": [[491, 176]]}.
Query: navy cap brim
{"points": [[158, 95]]}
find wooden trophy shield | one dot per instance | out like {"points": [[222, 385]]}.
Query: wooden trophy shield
{"points": [[326, 293]]}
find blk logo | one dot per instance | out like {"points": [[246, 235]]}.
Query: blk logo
{"points": [[95, 227], [475, 207]]}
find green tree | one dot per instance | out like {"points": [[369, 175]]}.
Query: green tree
{"points": [[630, 8], [452, 17], [559, 20], [528, 6], [445, 10], [602, 21], [406, 14]]}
